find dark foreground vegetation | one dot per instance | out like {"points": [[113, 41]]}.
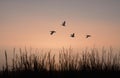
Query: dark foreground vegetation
{"points": [[67, 64]]}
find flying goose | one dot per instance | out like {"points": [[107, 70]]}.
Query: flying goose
{"points": [[52, 32], [87, 36], [72, 35]]}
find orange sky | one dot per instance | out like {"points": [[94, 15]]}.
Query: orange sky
{"points": [[27, 23]]}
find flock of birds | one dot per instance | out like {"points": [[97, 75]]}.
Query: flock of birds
{"points": [[71, 35]]}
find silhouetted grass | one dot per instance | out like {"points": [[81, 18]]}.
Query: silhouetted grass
{"points": [[67, 65]]}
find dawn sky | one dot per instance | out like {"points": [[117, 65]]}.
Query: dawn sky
{"points": [[29, 22]]}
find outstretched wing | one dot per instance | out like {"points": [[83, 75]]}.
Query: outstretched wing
{"points": [[88, 36], [52, 32], [64, 23], [73, 35]]}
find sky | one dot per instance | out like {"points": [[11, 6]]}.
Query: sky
{"points": [[29, 22]]}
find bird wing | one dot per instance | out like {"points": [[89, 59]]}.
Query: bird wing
{"points": [[52, 32], [63, 23]]}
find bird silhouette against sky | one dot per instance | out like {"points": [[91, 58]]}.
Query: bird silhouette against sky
{"points": [[52, 32], [87, 36], [64, 23], [72, 35]]}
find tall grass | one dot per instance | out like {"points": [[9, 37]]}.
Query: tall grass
{"points": [[67, 61]]}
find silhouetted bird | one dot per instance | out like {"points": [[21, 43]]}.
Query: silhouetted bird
{"points": [[88, 36], [52, 32], [72, 35], [64, 23]]}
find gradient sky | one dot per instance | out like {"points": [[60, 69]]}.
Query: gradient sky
{"points": [[28, 22]]}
